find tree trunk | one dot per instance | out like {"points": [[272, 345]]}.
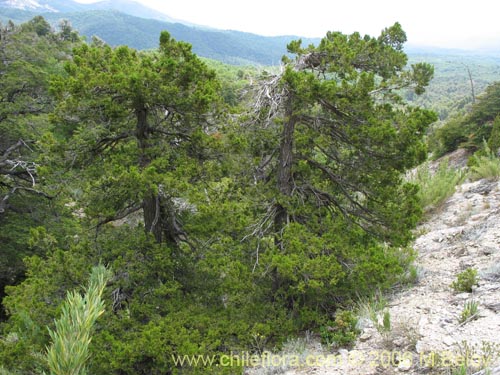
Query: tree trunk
{"points": [[152, 216], [142, 135], [159, 213], [284, 171], [284, 185], [151, 203]]}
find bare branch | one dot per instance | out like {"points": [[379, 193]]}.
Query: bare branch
{"points": [[19, 144], [261, 228], [5, 199], [269, 97], [130, 209], [343, 185], [110, 142]]}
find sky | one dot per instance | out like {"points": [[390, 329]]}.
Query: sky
{"points": [[437, 23]]}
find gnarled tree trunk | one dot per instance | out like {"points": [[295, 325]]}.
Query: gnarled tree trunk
{"points": [[284, 171], [159, 212]]}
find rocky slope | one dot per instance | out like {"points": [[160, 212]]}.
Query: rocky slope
{"points": [[426, 335]]}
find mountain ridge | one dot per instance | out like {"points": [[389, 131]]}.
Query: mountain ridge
{"points": [[139, 27], [118, 28], [130, 7]]}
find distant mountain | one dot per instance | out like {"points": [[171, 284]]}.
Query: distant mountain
{"points": [[117, 28], [64, 6], [132, 8]]}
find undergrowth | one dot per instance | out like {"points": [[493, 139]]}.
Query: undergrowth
{"points": [[436, 187]]}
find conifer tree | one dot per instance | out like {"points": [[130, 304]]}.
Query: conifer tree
{"points": [[345, 138], [137, 123]]}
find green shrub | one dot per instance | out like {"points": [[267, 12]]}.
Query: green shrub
{"points": [[461, 370], [449, 137], [485, 164], [69, 351], [465, 280], [469, 312], [342, 332], [436, 188], [494, 140]]}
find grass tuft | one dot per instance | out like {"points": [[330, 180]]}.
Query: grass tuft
{"points": [[436, 187]]}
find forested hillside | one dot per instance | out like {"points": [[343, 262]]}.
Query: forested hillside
{"points": [[451, 91], [155, 205], [118, 28]]}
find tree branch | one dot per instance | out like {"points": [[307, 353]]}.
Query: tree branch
{"points": [[20, 143], [130, 209], [110, 142], [6, 197]]}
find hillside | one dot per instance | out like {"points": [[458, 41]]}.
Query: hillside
{"points": [[237, 208], [117, 28], [65, 6], [422, 324], [450, 90]]}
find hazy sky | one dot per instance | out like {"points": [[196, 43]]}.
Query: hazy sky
{"points": [[443, 23]]}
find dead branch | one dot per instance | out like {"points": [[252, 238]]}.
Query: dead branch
{"points": [[130, 209], [110, 142], [19, 144], [6, 197], [270, 96]]}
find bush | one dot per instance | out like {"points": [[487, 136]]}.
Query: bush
{"points": [[342, 332], [469, 312], [465, 281], [69, 351], [485, 164], [494, 140], [470, 130], [436, 188], [449, 137]]}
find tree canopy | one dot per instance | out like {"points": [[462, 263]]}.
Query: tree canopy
{"points": [[139, 118], [344, 137], [472, 129], [234, 210]]}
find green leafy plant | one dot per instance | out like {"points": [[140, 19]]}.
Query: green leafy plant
{"points": [[436, 187], [462, 370], [449, 137], [485, 164], [69, 351], [342, 332], [386, 320], [465, 281], [494, 140], [469, 312]]}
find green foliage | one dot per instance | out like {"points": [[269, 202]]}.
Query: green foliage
{"points": [[216, 246], [28, 55], [494, 140], [472, 129], [488, 106], [38, 25], [435, 187], [342, 332], [386, 321], [72, 335], [469, 311], [485, 164], [35, 303], [449, 137], [465, 281]]}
